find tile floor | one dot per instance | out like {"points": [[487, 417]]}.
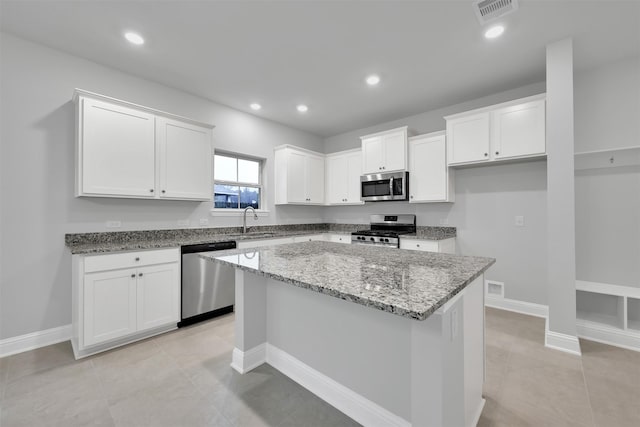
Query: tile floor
{"points": [[183, 378]]}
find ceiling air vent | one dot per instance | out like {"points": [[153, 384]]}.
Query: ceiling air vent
{"points": [[488, 10]]}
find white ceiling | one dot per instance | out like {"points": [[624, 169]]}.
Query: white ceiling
{"points": [[430, 54]]}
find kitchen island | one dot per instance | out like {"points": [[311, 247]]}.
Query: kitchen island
{"points": [[389, 337]]}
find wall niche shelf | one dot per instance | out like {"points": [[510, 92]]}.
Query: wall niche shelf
{"points": [[608, 313], [610, 158]]}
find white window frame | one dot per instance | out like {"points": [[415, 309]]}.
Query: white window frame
{"points": [[239, 211]]}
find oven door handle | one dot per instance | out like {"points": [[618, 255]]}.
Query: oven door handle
{"points": [[391, 187]]}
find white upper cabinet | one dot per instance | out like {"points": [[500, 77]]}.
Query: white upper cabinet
{"points": [[505, 131], [385, 151], [468, 138], [184, 160], [126, 150], [299, 176], [519, 130], [117, 153], [430, 180], [343, 172]]}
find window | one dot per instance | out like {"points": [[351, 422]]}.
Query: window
{"points": [[237, 182]]}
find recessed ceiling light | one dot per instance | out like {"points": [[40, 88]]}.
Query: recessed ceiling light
{"points": [[493, 32], [134, 38], [255, 106], [302, 108], [373, 80]]}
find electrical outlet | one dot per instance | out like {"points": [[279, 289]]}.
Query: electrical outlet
{"points": [[444, 221], [114, 224], [204, 221], [183, 222], [519, 221]]}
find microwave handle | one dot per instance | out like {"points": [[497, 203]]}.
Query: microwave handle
{"points": [[391, 187]]}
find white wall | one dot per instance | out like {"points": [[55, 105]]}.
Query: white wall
{"points": [[487, 200], [37, 203], [607, 115]]}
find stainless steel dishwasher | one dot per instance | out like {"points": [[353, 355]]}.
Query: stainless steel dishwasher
{"points": [[208, 288]]}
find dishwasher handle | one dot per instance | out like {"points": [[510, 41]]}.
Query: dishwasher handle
{"points": [[208, 247]]}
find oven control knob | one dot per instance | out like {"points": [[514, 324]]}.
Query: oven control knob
{"points": [[372, 239], [360, 238], [386, 240]]}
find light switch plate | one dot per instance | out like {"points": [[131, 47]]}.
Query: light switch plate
{"points": [[204, 221], [183, 222], [114, 224], [519, 221]]}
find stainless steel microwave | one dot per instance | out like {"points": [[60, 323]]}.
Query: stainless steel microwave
{"points": [[384, 186]]}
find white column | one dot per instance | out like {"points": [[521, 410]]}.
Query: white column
{"points": [[561, 250], [250, 322]]}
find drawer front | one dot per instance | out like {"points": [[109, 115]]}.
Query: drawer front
{"points": [[419, 245], [309, 238], [130, 259], [340, 238]]}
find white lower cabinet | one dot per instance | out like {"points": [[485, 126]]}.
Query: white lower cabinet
{"points": [[339, 238], [122, 297], [310, 238], [445, 245]]}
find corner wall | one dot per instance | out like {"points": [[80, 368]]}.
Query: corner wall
{"points": [[487, 200], [37, 174]]}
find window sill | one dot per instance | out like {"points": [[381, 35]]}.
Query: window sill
{"points": [[237, 212]]}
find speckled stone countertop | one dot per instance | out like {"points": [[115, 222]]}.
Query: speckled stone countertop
{"points": [[89, 243], [411, 284], [432, 233]]}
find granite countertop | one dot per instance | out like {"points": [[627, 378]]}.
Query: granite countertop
{"points": [[91, 243], [411, 284]]}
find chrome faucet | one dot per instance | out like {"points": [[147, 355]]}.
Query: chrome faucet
{"points": [[244, 217]]}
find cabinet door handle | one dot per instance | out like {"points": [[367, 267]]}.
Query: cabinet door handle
{"points": [[163, 191], [497, 152], [486, 154], [137, 258], [417, 245], [412, 197], [140, 275], [151, 191], [133, 276]]}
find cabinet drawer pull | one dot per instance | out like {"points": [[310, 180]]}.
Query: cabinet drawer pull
{"points": [[486, 154], [417, 245], [163, 191], [151, 190], [140, 275], [497, 152], [137, 258], [133, 276]]}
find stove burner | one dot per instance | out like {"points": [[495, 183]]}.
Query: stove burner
{"points": [[385, 230]]}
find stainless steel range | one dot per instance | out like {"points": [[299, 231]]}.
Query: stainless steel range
{"points": [[385, 230]]}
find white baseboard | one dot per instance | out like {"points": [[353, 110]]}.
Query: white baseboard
{"points": [[26, 342], [608, 335], [344, 399], [244, 361], [561, 342], [529, 308], [478, 414]]}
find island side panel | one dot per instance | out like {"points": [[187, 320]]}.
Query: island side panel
{"points": [[362, 348], [474, 350], [250, 321]]}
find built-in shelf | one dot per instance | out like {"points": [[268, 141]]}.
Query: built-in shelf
{"points": [[614, 157], [608, 313], [633, 314]]}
